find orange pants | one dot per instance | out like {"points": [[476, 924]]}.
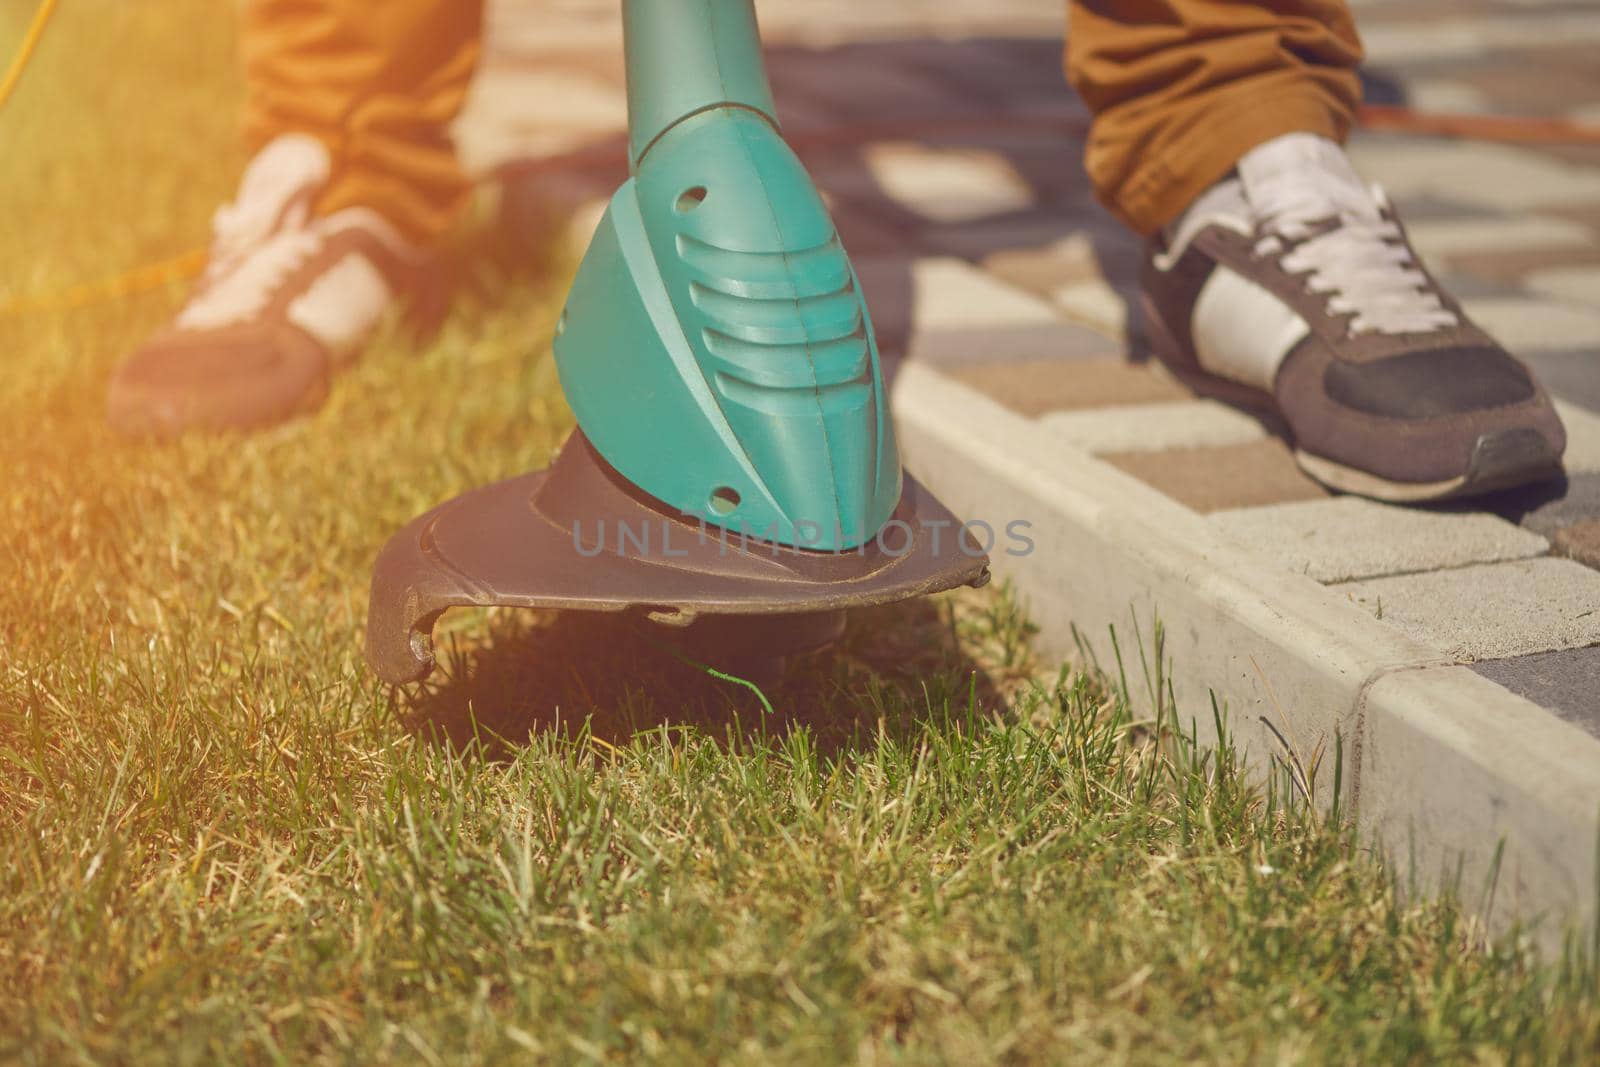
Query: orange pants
{"points": [[1179, 89]]}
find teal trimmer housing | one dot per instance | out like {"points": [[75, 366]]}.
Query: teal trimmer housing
{"points": [[716, 348], [733, 432]]}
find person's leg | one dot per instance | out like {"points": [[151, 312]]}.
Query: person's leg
{"points": [[1180, 89], [353, 180], [1274, 272], [379, 85]]}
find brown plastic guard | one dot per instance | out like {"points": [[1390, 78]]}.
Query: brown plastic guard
{"points": [[580, 537]]}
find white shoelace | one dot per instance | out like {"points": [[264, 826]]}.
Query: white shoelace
{"points": [[1296, 186], [260, 238], [243, 289], [239, 227]]}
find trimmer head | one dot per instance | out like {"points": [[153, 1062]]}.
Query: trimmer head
{"points": [[735, 473], [581, 537]]}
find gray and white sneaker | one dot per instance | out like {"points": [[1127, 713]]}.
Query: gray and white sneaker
{"points": [[286, 300], [1291, 285]]}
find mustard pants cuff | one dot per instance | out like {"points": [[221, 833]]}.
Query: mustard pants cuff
{"points": [[1179, 90]]}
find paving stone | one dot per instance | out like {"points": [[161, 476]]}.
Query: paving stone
{"points": [[543, 97], [1047, 342], [947, 312], [1154, 427], [1491, 611], [1498, 176], [1567, 683], [1567, 76], [1576, 283], [1586, 214], [941, 292], [1523, 324], [947, 185], [605, 62], [1580, 541], [1346, 538], [515, 114], [1572, 375], [1469, 285], [1419, 39], [522, 26], [1432, 207], [1045, 150], [1544, 509], [1109, 256], [1007, 73], [1571, 152], [1044, 270], [1224, 476], [867, 233], [1583, 438], [1038, 387], [1102, 305], [1521, 266], [1452, 239], [847, 22], [954, 293], [1446, 95], [853, 88], [1038, 232]]}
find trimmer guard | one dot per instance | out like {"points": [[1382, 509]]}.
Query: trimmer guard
{"points": [[580, 537]]}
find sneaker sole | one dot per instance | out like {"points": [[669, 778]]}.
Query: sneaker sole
{"points": [[1505, 460], [156, 417]]}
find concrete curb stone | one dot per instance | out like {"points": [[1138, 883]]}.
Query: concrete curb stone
{"points": [[1444, 767]]}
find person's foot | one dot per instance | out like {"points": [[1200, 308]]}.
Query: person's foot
{"points": [[286, 300], [1293, 285]]}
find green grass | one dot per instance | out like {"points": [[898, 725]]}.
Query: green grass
{"points": [[221, 840]]}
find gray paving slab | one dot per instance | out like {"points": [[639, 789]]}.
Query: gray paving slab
{"points": [[1573, 374], [995, 344], [1490, 611], [1442, 238], [1154, 427], [1476, 35], [943, 292], [864, 88], [1546, 509], [1347, 538], [946, 184], [1467, 285], [1002, 71], [1526, 323], [1568, 283], [1432, 207], [1583, 437], [1103, 305], [1567, 682], [943, 310], [1502, 177], [1070, 234]]}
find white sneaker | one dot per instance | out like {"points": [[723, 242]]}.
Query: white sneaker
{"points": [[285, 301]]}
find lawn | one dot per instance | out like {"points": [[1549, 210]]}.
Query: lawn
{"points": [[222, 840]]}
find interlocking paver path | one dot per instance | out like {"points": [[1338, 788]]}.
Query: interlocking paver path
{"points": [[950, 145]]}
